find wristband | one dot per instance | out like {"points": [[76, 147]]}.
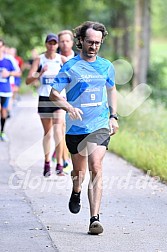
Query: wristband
{"points": [[35, 75], [115, 116]]}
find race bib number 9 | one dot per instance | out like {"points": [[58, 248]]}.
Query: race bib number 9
{"points": [[91, 97]]}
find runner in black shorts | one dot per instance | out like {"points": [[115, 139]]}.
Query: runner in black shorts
{"points": [[46, 108], [44, 68], [77, 143], [89, 81]]}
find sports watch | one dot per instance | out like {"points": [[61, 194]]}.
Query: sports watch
{"points": [[115, 116]]}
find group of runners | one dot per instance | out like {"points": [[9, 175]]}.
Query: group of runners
{"points": [[77, 106]]}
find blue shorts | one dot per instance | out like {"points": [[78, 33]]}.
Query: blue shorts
{"points": [[4, 101], [17, 81]]}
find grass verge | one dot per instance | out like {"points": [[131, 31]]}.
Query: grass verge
{"points": [[142, 140]]}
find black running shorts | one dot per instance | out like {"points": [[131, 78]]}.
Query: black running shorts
{"points": [[46, 107], [76, 143]]}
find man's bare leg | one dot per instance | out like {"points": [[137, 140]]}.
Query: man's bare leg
{"points": [[95, 188]]}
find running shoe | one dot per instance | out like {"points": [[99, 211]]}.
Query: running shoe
{"points": [[59, 170], [74, 203], [3, 137], [47, 171], [8, 115], [54, 157], [67, 167], [95, 226]]}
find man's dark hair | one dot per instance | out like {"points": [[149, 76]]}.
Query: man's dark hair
{"points": [[80, 31]]}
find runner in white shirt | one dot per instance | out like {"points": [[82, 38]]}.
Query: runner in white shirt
{"points": [[45, 67]]}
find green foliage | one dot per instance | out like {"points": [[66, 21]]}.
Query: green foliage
{"points": [[24, 24], [142, 139], [159, 18], [157, 73], [157, 79]]}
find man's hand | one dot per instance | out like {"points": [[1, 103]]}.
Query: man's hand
{"points": [[75, 113], [113, 126]]}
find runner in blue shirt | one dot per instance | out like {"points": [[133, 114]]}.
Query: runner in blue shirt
{"points": [[7, 69], [91, 114]]}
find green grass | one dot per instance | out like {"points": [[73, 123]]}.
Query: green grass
{"points": [[158, 48], [25, 88], [142, 140]]}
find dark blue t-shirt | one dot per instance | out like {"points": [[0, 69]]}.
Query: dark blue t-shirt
{"points": [[7, 64]]}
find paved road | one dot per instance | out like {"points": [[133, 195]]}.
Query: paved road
{"points": [[34, 213]]}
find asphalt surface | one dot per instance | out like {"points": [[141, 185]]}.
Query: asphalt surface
{"points": [[34, 213]]}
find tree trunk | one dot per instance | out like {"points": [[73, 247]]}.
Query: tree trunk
{"points": [[125, 38], [142, 41]]}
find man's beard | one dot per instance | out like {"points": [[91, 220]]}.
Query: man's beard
{"points": [[89, 53]]}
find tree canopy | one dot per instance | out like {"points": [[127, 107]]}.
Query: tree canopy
{"points": [[25, 23]]}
